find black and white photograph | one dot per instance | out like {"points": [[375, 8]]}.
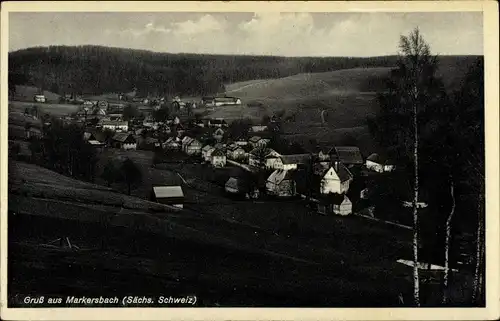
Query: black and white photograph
{"points": [[247, 159]]}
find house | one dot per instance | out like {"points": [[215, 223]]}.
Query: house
{"points": [[235, 152], [217, 123], [258, 129], [338, 204], [291, 162], [39, 98], [241, 142], [191, 146], [264, 157], [218, 134], [124, 141], [118, 126], [103, 105], [96, 144], [199, 123], [32, 132], [206, 152], [226, 101], [349, 155], [256, 141], [379, 164], [218, 158], [168, 195], [281, 183], [336, 179], [171, 144]]}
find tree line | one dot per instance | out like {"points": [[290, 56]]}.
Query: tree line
{"points": [[96, 69], [438, 137]]}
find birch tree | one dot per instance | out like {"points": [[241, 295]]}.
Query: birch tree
{"points": [[413, 92]]}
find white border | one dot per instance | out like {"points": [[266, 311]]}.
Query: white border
{"points": [[491, 54]]}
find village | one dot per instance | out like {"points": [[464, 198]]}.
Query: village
{"points": [[322, 175]]}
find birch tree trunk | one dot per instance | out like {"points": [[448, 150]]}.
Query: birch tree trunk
{"points": [[447, 243], [416, 281], [479, 246]]}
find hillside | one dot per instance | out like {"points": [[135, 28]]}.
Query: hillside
{"points": [[336, 261]]}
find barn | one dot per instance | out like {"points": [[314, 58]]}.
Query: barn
{"points": [[168, 195]]}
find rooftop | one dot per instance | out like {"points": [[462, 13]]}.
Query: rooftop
{"points": [[168, 191]]}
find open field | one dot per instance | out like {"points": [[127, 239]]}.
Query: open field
{"points": [[278, 248], [50, 108], [28, 92]]}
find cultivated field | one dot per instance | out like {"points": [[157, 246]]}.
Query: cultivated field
{"points": [[50, 108]]}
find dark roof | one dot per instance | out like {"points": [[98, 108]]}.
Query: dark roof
{"points": [[218, 152], [123, 137], [254, 139], [349, 154], [342, 171], [295, 159], [377, 158]]}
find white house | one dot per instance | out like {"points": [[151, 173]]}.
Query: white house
{"points": [[192, 147], [39, 98], [336, 179], [338, 204], [378, 164], [206, 152], [118, 126], [218, 158]]}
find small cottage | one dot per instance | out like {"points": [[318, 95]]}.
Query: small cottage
{"points": [[235, 152], [168, 195], [218, 158], [281, 183], [218, 134], [192, 147], [206, 152], [124, 141], [264, 157], [336, 179], [379, 164], [335, 204]]}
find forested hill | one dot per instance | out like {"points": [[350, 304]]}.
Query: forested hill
{"points": [[97, 69]]}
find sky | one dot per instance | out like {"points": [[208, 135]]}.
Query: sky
{"points": [[271, 33]]}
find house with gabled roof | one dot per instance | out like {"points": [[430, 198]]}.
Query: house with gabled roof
{"points": [[206, 152], [257, 141], [218, 158], [124, 141], [235, 152], [338, 204], [336, 179], [379, 164]]}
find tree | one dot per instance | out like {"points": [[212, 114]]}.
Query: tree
{"points": [[109, 173], [130, 112], [238, 129], [414, 93], [161, 114], [130, 174]]}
